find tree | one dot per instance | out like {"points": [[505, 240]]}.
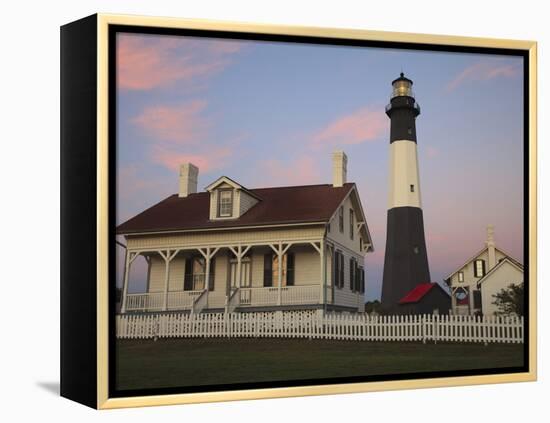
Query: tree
{"points": [[510, 300], [371, 306]]}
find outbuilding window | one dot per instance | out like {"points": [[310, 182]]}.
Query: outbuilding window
{"points": [[479, 268]]}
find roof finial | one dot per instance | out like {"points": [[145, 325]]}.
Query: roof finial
{"points": [[402, 74]]}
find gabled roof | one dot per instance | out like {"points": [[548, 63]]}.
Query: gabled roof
{"points": [[499, 265], [231, 182], [419, 292], [478, 254], [278, 206]]}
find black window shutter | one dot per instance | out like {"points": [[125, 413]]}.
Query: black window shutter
{"points": [[212, 276], [341, 269], [482, 268], [268, 269], [290, 269], [335, 268], [362, 281], [351, 276], [188, 278]]}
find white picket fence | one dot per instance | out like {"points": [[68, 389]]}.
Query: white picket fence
{"points": [[307, 324]]}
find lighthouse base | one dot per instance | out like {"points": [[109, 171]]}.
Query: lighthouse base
{"points": [[406, 259]]}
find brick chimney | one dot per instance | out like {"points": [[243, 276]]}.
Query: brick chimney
{"points": [[339, 168], [189, 175]]}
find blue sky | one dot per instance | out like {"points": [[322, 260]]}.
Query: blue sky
{"points": [[270, 114]]}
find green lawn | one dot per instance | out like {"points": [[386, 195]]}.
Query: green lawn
{"points": [[192, 362]]}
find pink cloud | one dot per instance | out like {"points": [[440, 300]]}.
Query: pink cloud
{"points": [[182, 124], [214, 159], [432, 152], [483, 71], [145, 62], [365, 124], [300, 171]]}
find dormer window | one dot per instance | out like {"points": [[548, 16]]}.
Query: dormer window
{"points": [[225, 203]]}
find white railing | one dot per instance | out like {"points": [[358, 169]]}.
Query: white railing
{"points": [[200, 302], [145, 302], [232, 301], [307, 324], [269, 296], [154, 301]]}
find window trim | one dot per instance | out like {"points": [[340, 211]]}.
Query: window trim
{"points": [[219, 205]]}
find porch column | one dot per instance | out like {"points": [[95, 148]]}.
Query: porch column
{"points": [[280, 251], [322, 269], [128, 260], [239, 263], [207, 253], [167, 259]]}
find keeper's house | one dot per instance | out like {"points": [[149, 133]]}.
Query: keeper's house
{"points": [[230, 248], [474, 284]]}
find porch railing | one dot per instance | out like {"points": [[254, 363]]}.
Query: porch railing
{"points": [[197, 300], [233, 300], [200, 302], [268, 296], [154, 301]]}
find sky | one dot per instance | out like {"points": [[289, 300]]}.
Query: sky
{"points": [[271, 113]]}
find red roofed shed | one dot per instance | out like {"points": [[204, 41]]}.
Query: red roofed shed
{"points": [[424, 299]]}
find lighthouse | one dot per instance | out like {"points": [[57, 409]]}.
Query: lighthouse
{"points": [[406, 259]]}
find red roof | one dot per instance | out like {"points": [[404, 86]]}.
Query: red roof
{"points": [[279, 205], [417, 293]]}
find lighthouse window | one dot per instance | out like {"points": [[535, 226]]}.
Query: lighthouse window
{"points": [[412, 188], [409, 130], [416, 249]]}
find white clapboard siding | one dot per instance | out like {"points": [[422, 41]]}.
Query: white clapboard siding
{"points": [[308, 324]]}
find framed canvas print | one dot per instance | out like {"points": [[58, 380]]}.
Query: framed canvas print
{"points": [[254, 211]]}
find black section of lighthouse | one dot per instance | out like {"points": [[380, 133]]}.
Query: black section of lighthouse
{"points": [[406, 259]]}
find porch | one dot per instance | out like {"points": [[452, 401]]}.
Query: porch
{"points": [[230, 277]]}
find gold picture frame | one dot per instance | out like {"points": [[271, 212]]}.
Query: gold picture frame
{"points": [[100, 360]]}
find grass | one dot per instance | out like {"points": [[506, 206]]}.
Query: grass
{"points": [[146, 364]]}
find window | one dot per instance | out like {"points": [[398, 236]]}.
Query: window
{"points": [[351, 223], [341, 219], [479, 268], [195, 274], [271, 269], [225, 203], [461, 276], [412, 188]]}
